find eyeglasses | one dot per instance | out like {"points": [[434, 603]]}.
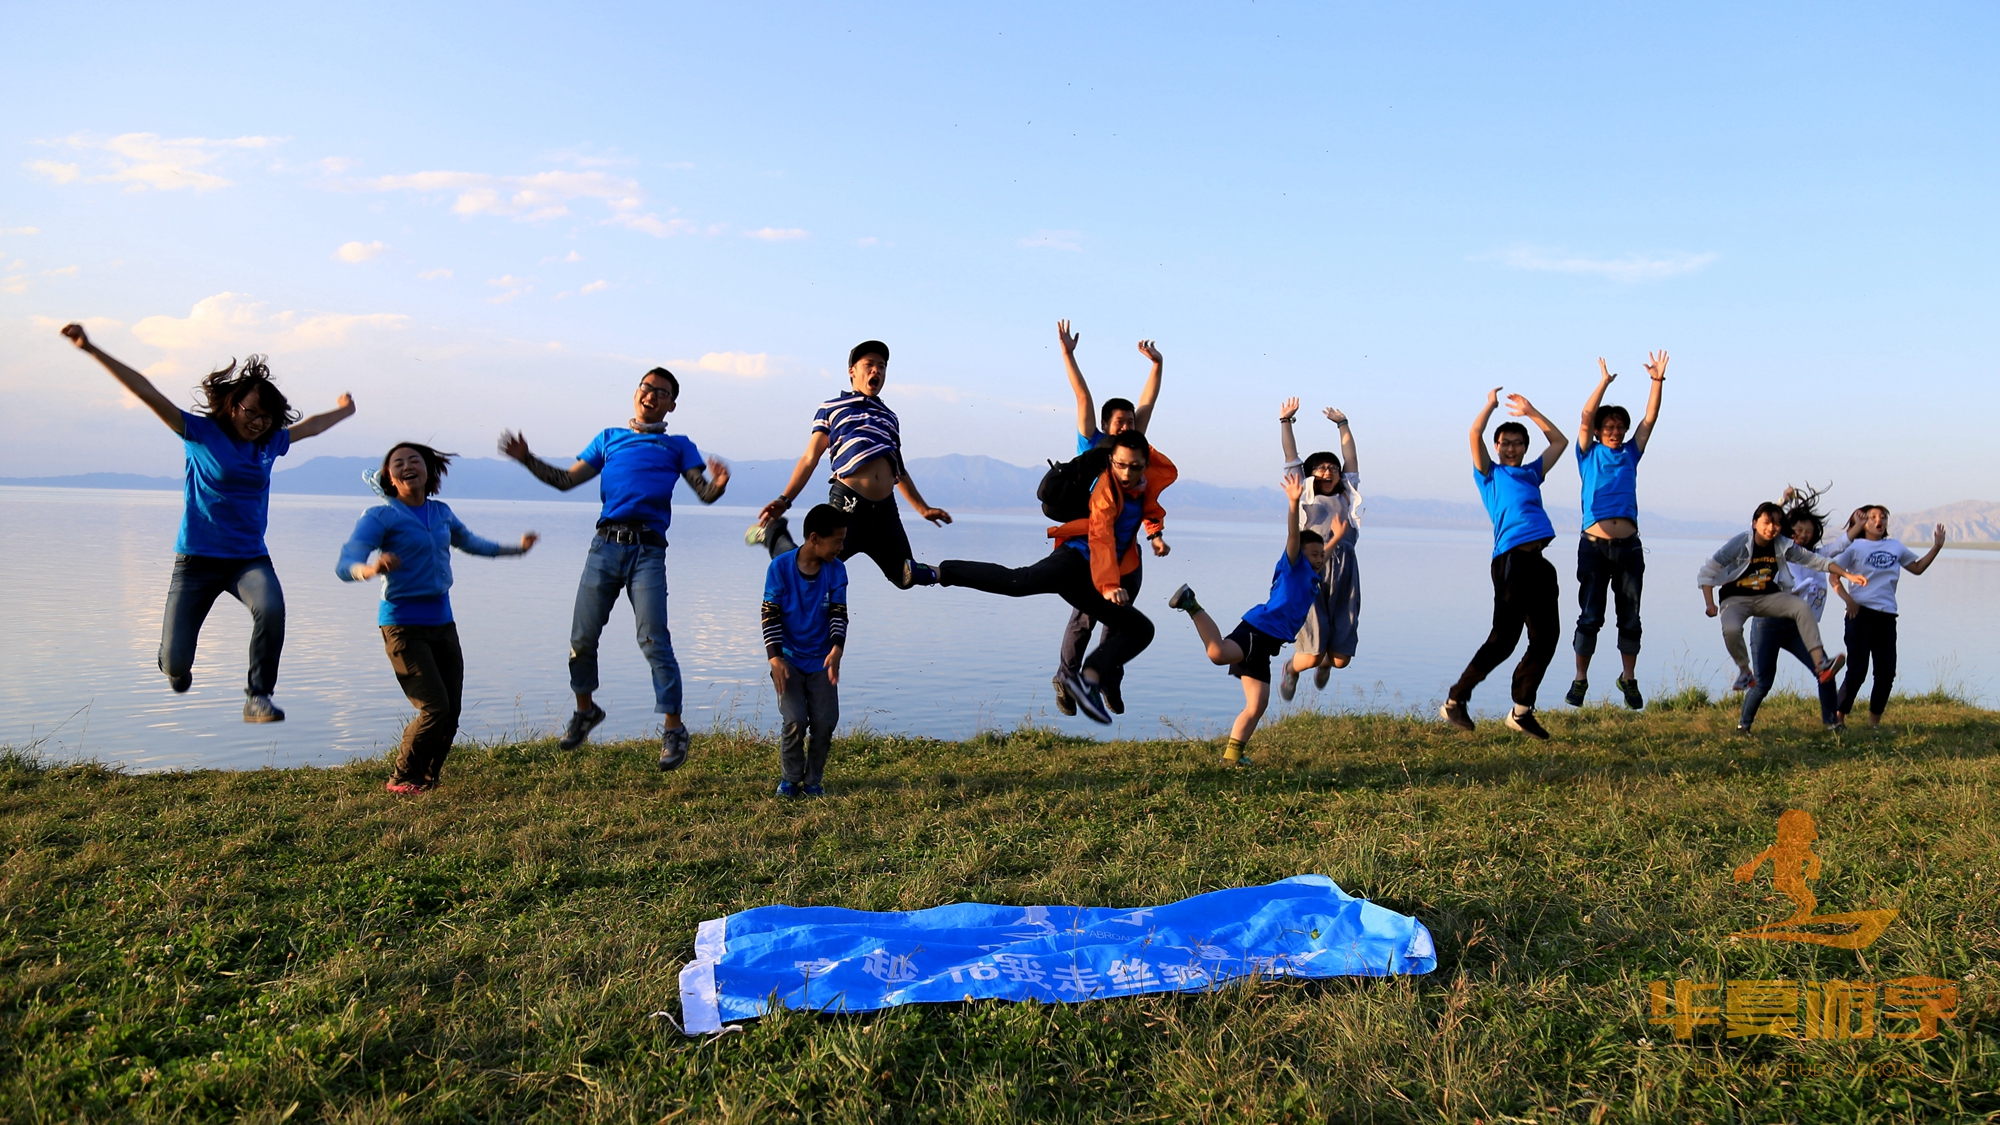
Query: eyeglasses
{"points": [[654, 390]]}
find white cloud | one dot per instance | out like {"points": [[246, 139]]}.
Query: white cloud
{"points": [[66, 271], [537, 198], [354, 253], [1628, 269], [20, 230], [871, 240], [235, 323], [776, 234], [148, 160], [514, 287], [1053, 240], [750, 365], [337, 164], [15, 285], [435, 275], [595, 287]]}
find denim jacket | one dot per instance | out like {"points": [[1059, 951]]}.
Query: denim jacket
{"points": [[1729, 563]]}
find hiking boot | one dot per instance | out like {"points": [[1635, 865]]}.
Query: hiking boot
{"points": [[1089, 699], [1320, 675], [180, 683], [1114, 698], [1455, 713], [1526, 723], [788, 789], [1065, 702], [918, 574], [260, 709], [1183, 600], [1288, 684], [1827, 669], [1633, 699], [812, 789], [581, 723], [1578, 689], [674, 748]]}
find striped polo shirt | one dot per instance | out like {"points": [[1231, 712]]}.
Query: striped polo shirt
{"points": [[861, 428]]}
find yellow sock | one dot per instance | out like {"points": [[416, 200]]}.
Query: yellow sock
{"points": [[1233, 752]]}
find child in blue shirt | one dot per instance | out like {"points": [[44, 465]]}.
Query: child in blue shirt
{"points": [[1249, 647], [805, 629], [409, 539]]}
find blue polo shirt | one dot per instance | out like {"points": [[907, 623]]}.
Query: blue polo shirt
{"points": [[228, 489], [1293, 586], [1513, 496], [1087, 442], [638, 472], [805, 602], [1610, 482]]}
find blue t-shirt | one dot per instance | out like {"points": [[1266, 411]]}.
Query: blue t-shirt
{"points": [[1123, 530], [639, 471], [1087, 442], [1610, 482], [418, 591], [1293, 587], [1513, 496], [228, 490], [806, 603]]}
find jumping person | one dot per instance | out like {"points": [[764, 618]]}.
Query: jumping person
{"points": [[640, 463], [1771, 635], [1609, 555], [868, 467], [1871, 612], [409, 539], [1092, 429], [231, 446], [1087, 566], [1755, 583], [1330, 509], [805, 631], [1248, 649], [1524, 583]]}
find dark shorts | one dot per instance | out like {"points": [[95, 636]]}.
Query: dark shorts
{"points": [[1259, 648]]}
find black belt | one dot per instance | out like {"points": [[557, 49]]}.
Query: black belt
{"points": [[631, 534]]}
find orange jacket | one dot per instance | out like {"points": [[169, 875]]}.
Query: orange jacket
{"points": [[1100, 527]]}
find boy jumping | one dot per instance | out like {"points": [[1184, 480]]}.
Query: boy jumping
{"points": [[805, 629], [1524, 584], [1248, 649]]}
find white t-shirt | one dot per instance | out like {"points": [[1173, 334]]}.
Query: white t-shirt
{"points": [[1809, 584], [1881, 562], [1316, 512]]}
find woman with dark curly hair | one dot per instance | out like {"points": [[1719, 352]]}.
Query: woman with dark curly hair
{"points": [[231, 446]]}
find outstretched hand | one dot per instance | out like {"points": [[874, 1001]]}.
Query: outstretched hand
{"points": [[514, 445], [1493, 398], [1295, 486], [1604, 371], [75, 334], [1937, 538], [1068, 340], [1656, 365], [1518, 406], [1288, 409], [718, 471], [1147, 349], [1335, 416], [937, 516]]}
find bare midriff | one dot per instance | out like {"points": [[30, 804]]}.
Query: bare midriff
{"points": [[1617, 527], [875, 480]]}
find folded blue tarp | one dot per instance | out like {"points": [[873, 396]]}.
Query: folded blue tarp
{"points": [[825, 958]]}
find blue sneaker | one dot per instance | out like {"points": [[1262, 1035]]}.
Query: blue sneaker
{"points": [[788, 789], [1089, 699], [674, 747], [260, 709], [814, 790], [918, 574]]}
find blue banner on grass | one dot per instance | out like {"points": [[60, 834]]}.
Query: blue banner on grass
{"points": [[826, 958]]}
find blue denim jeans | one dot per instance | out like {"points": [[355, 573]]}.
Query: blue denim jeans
{"points": [[199, 580], [1614, 567], [640, 571], [1768, 637]]}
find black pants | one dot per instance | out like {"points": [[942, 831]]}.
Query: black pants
{"points": [[1065, 572], [1076, 634], [874, 528], [431, 669], [1870, 634], [1616, 567], [1524, 594]]}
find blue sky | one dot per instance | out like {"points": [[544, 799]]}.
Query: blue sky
{"points": [[498, 215]]}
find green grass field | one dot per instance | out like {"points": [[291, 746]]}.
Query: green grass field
{"points": [[299, 944]]}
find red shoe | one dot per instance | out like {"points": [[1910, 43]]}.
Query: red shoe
{"points": [[404, 788], [1832, 668]]}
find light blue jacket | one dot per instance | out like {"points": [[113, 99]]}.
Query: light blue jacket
{"points": [[417, 591], [1729, 563]]}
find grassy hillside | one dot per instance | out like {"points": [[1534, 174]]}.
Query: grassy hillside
{"points": [[248, 946]]}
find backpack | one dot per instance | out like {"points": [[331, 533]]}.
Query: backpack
{"points": [[1065, 488]]}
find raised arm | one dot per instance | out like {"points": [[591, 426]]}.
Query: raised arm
{"points": [[1295, 487], [908, 487], [708, 486], [1348, 457], [1923, 564], [1149, 393], [1586, 430], [1481, 460], [816, 447], [138, 384], [1287, 410], [313, 425], [516, 446], [1086, 407], [1656, 366], [1518, 406]]}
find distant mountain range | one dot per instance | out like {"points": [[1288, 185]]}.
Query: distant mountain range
{"points": [[983, 484]]}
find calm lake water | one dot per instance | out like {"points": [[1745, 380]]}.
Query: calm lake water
{"points": [[86, 575]]}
